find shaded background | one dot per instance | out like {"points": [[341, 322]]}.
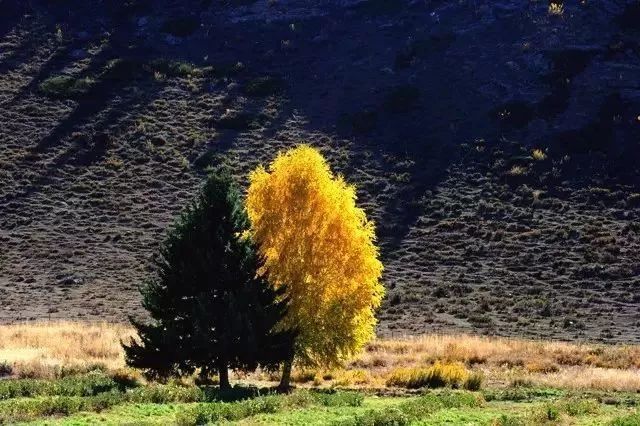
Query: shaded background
{"points": [[111, 111]]}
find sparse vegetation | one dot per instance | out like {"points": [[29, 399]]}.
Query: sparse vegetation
{"points": [[556, 9], [236, 121], [65, 86], [538, 155], [517, 171]]}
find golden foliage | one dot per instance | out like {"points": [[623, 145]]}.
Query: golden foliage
{"points": [[438, 375], [321, 247]]}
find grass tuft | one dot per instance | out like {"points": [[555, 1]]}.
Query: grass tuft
{"points": [[438, 375]]}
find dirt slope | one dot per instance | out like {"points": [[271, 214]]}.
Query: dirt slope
{"points": [[111, 111]]}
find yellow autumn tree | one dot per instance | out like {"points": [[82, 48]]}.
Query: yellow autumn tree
{"points": [[319, 247]]}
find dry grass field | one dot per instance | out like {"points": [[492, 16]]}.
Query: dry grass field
{"points": [[57, 349], [73, 373]]}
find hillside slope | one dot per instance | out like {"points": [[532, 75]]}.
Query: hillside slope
{"points": [[111, 111]]}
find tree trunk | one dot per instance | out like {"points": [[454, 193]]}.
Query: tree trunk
{"points": [[223, 373], [285, 381]]}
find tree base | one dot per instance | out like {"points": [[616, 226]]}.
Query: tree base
{"points": [[284, 388]]}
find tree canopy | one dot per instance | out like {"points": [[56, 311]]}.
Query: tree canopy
{"points": [[209, 309], [319, 248]]}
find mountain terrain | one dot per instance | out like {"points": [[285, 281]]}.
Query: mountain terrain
{"points": [[496, 144]]}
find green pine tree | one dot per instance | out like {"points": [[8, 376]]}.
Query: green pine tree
{"points": [[210, 312]]}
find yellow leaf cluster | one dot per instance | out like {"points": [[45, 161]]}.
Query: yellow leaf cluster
{"points": [[320, 247]]}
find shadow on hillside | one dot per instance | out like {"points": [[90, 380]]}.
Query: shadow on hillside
{"points": [[86, 139]]}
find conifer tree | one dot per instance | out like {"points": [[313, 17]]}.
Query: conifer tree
{"points": [[209, 309]]}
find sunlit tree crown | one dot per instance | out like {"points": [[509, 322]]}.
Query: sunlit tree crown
{"points": [[320, 247]]}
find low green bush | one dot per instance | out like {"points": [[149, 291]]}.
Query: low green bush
{"points": [[510, 420], [339, 399], [417, 409], [579, 407], [86, 385], [25, 409], [164, 394], [213, 412], [431, 402], [176, 68], [206, 413], [388, 417], [520, 394], [629, 420]]}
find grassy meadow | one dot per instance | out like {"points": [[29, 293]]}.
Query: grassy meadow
{"points": [[74, 373]]}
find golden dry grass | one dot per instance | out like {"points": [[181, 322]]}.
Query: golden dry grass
{"points": [[51, 349], [502, 360]]}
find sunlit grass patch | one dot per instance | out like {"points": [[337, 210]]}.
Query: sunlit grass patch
{"points": [[438, 375]]}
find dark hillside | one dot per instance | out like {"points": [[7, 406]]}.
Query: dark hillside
{"points": [[496, 144]]}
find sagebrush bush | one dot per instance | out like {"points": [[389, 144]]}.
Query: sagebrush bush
{"points": [[438, 375], [339, 399]]}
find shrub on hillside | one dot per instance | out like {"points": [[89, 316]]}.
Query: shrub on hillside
{"points": [[64, 86]]}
